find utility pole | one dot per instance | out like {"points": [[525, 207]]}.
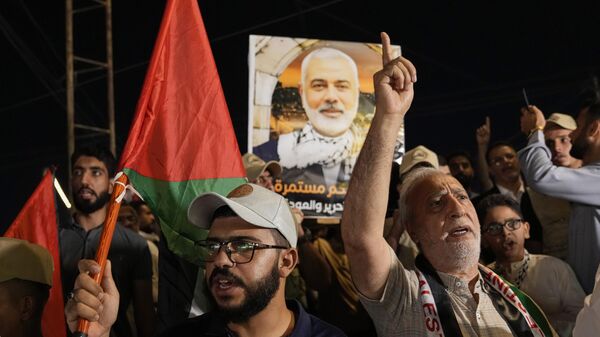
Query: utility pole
{"points": [[79, 64]]}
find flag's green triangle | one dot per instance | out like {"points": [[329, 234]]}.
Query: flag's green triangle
{"points": [[170, 200]]}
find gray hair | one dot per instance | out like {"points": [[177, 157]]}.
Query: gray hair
{"points": [[410, 181], [327, 53]]}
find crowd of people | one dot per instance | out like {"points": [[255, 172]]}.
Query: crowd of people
{"points": [[507, 245]]}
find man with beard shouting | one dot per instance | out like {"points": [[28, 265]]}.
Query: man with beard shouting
{"points": [[580, 186], [449, 294], [79, 239], [249, 252]]}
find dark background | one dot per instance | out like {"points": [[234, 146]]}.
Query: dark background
{"points": [[473, 59]]}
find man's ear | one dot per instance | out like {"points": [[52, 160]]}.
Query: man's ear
{"points": [[287, 262], [300, 90], [526, 229], [593, 130]]}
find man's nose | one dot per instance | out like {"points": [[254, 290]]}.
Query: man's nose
{"points": [[331, 94], [222, 259], [455, 207], [505, 231], [557, 147]]}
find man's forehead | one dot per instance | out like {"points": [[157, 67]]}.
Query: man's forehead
{"points": [[500, 212], [127, 210], [89, 162], [556, 132], [501, 149], [318, 67], [437, 183], [459, 159]]}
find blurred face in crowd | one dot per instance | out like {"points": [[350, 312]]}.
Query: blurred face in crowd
{"points": [[265, 180], [241, 290], [90, 183], [462, 170], [10, 316], [580, 137], [128, 218], [508, 245], [559, 143], [330, 92], [444, 223], [504, 164], [147, 221]]}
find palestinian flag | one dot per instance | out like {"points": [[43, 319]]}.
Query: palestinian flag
{"points": [[37, 223], [181, 143]]}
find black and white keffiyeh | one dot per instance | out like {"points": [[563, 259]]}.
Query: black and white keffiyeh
{"points": [[302, 148]]}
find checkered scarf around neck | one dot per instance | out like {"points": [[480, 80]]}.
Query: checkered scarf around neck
{"points": [[306, 147]]}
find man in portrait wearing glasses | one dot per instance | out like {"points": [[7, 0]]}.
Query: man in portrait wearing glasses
{"points": [[549, 281], [249, 252]]}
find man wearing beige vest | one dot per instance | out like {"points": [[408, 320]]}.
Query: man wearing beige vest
{"points": [[552, 212]]}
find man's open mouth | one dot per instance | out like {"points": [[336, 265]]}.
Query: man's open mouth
{"points": [[86, 193], [458, 232]]}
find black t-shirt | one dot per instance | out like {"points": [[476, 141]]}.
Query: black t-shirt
{"points": [[128, 254], [213, 325]]}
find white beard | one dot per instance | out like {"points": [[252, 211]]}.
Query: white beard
{"points": [[463, 254]]}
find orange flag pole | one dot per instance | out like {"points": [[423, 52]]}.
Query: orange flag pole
{"points": [[120, 185]]}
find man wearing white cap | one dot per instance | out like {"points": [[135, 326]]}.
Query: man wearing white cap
{"points": [[25, 282], [552, 212], [557, 134], [249, 252]]}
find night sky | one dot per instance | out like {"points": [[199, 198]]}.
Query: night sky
{"points": [[473, 59]]}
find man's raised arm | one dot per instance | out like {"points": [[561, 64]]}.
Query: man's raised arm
{"points": [[366, 200]]}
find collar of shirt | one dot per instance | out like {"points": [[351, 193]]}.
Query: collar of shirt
{"points": [[513, 267], [516, 197], [302, 327], [459, 286]]}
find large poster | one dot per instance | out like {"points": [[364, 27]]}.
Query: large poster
{"points": [[311, 104]]}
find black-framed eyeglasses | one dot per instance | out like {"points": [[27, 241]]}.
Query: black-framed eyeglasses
{"points": [[495, 228], [238, 251]]}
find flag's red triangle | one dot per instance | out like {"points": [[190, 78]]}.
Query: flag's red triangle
{"points": [[37, 223], [182, 129]]}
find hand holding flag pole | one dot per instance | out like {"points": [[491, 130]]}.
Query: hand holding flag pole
{"points": [[120, 187]]}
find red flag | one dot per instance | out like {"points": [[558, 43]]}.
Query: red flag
{"points": [[37, 223], [181, 144]]}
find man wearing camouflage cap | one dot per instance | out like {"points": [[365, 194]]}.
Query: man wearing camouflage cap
{"points": [[25, 281]]}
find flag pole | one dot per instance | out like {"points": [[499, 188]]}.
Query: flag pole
{"points": [[120, 186]]}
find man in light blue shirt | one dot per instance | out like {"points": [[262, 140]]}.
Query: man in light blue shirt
{"points": [[579, 186]]}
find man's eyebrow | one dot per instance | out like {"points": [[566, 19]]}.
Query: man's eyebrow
{"points": [[96, 168], [437, 193], [89, 167], [458, 190], [317, 80], [342, 81]]}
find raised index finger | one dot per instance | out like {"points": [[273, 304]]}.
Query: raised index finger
{"points": [[387, 48]]}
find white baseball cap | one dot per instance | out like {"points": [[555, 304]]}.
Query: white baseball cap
{"points": [[563, 120], [255, 204]]}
